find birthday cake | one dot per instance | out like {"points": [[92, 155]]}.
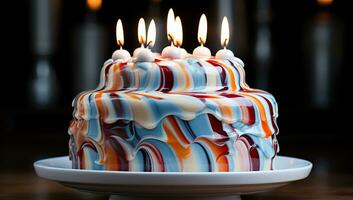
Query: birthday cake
{"points": [[174, 115]]}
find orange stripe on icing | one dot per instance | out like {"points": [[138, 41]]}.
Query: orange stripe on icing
{"points": [[117, 81], [80, 102], [101, 112], [186, 75], [133, 96], [181, 152], [264, 123], [110, 157], [222, 163], [231, 77], [226, 111], [178, 131], [219, 151], [99, 103], [172, 141], [245, 114]]}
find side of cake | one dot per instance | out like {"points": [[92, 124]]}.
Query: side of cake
{"points": [[186, 114]]}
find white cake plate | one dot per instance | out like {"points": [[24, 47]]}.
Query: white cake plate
{"points": [[178, 185]]}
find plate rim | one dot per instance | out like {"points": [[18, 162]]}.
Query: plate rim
{"points": [[195, 178]]}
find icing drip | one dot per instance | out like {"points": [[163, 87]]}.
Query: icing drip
{"points": [[174, 115]]}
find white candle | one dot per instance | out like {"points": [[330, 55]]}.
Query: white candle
{"points": [[225, 53], [175, 36], [170, 26], [172, 52], [178, 32], [202, 51], [145, 54], [120, 53], [141, 36]]}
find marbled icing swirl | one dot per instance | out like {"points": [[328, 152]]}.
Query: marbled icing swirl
{"points": [[174, 115]]}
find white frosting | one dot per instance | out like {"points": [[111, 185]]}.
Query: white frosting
{"points": [[121, 54], [225, 54], [202, 51], [173, 52], [145, 55], [136, 51]]}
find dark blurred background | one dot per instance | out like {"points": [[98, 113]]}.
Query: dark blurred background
{"points": [[300, 51]]}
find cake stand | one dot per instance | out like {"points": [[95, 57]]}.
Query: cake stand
{"points": [[179, 185]]}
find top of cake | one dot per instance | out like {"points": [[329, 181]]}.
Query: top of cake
{"points": [[184, 87], [189, 74]]}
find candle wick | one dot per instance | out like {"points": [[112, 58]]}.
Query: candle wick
{"points": [[148, 44], [171, 39], [142, 46], [225, 43], [142, 41], [120, 43], [121, 47], [201, 41]]}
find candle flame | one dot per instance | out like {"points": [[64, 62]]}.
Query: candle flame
{"points": [[170, 25], [151, 34], [202, 32], [94, 5], [119, 33], [141, 31], [225, 32], [178, 32]]}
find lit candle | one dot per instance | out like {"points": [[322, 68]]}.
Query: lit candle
{"points": [[141, 36], [120, 53], [202, 51], [151, 34], [170, 26], [179, 36], [175, 36], [178, 32], [225, 53], [145, 54]]}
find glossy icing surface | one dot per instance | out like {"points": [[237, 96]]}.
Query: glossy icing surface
{"points": [[174, 115]]}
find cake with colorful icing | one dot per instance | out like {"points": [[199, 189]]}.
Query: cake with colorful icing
{"points": [[174, 115]]}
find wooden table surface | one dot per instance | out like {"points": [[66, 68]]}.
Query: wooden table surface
{"points": [[331, 178]]}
